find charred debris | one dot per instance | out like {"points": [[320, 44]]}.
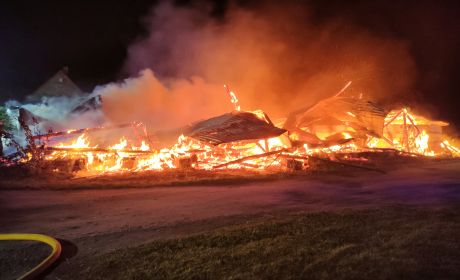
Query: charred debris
{"points": [[337, 132], [324, 128]]}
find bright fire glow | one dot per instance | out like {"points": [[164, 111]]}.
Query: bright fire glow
{"points": [[402, 132], [233, 98]]}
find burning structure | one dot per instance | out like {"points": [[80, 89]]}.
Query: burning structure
{"points": [[336, 130], [193, 52]]}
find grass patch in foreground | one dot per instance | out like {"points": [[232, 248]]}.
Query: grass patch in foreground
{"points": [[372, 244]]}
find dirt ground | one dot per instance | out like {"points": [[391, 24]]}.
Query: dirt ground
{"points": [[92, 221]]}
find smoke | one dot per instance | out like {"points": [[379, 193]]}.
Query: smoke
{"points": [[50, 114], [50, 108], [160, 104], [55, 113], [276, 57]]}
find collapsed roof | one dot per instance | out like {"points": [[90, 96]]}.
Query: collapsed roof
{"points": [[362, 116], [234, 126]]}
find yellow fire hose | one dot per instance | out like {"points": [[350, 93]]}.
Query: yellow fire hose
{"points": [[53, 243]]}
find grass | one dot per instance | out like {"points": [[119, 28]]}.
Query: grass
{"points": [[18, 257], [396, 243]]}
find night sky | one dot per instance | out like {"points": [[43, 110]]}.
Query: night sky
{"points": [[37, 38]]}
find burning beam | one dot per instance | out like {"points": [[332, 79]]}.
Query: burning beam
{"points": [[343, 89], [97, 150], [248, 158], [83, 130], [233, 98]]}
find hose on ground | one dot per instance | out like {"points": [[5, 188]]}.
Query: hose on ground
{"points": [[52, 257]]}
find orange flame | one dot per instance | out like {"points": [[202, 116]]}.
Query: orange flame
{"points": [[190, 153]]}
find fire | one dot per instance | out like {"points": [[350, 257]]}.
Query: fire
{"points": [[143, 147], [81, 142], [402, 131], [190, 153], [421, 144], [405, 131], [233, 98], [450, 148], [121, 145]]}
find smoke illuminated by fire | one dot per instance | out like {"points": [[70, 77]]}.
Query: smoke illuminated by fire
{"points": [[276, 58], [262, 154], [281, 60]]}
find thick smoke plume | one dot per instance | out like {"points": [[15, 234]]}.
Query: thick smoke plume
{"points": [[163, 105], [276, 57]]}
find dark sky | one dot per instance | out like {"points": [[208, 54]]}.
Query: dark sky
{"points": [[37, 38]]}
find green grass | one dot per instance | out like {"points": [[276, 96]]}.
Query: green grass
{"points": [[403, 243]]}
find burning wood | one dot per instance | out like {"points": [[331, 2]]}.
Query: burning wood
{"points": [[240, 160], [83, 130], [333, 120], [408, 132], [95, 150], [250, 140]]}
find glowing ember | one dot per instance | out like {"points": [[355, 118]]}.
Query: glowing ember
{"points": [[402, 131], [233, 98]]}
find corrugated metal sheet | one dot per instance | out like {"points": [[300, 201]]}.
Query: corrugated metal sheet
{"points": [[234, 126], [362, 116], [344, 110]]}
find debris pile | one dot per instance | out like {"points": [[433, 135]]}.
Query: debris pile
{"points": [[338, 131]]}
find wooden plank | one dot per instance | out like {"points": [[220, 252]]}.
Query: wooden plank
{"points": [[240, 160]]}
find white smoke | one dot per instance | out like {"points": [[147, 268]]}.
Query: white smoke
{"points": [[162, 104], [55, 114], [57, 110]]}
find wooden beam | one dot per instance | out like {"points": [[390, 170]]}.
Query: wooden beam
{"points": [[248, 158]]}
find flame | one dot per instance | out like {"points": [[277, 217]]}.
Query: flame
{"points": [[81, 142], [233, 98], [121, 145], [421, 144], [402, 132], [454, 151], [234, 101]]}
